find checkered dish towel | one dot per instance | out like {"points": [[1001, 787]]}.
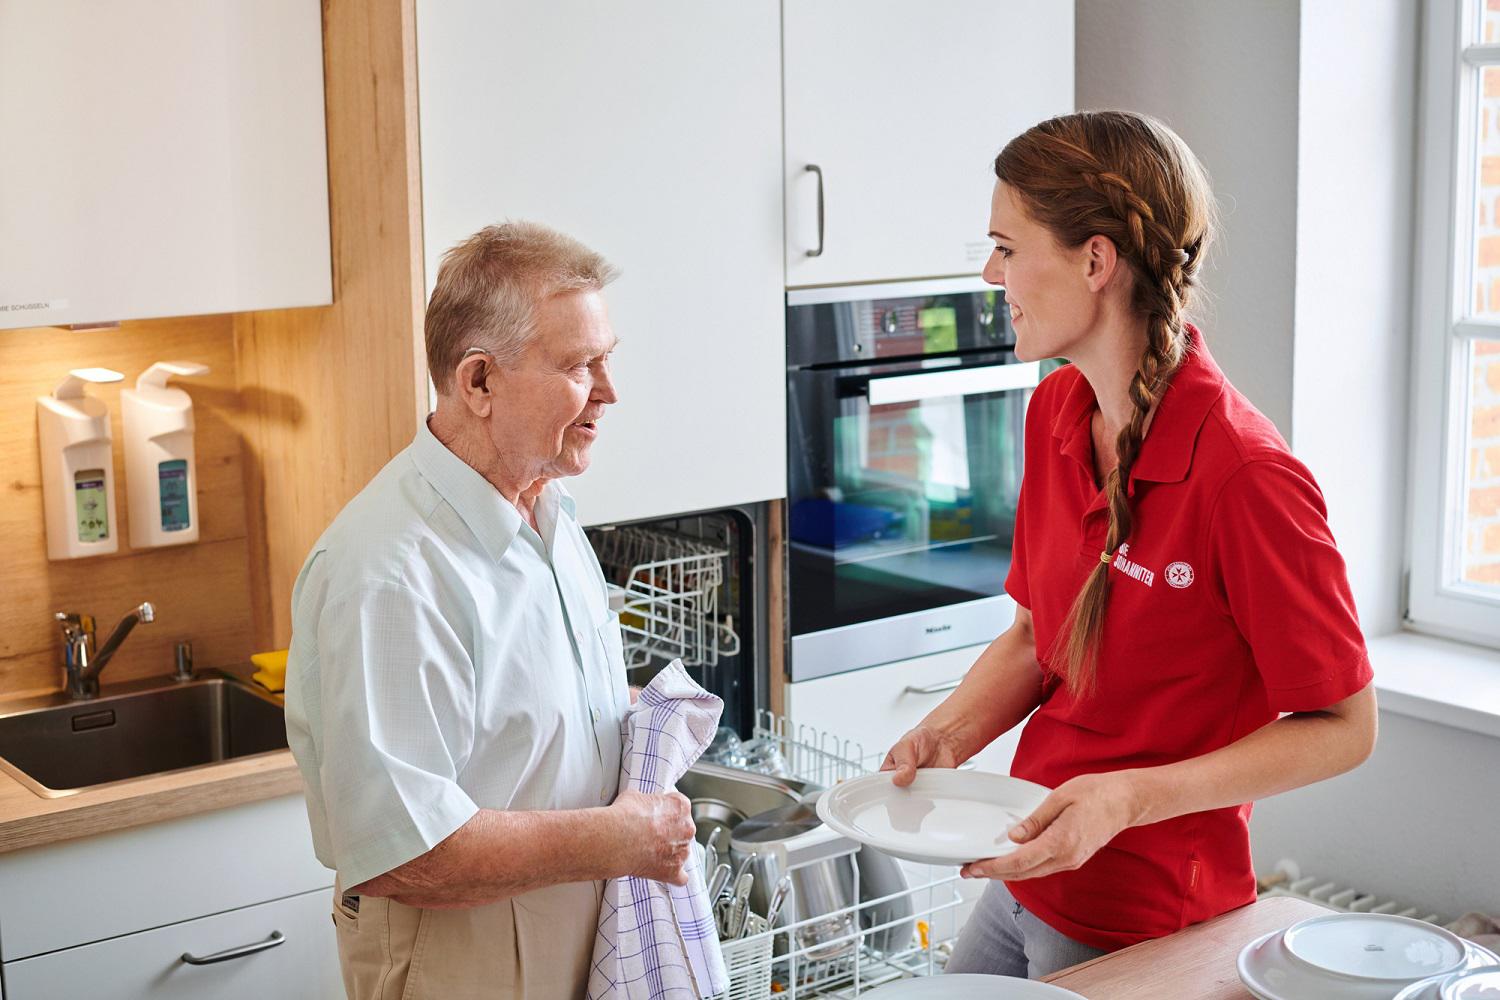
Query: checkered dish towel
{"points": [[657, 940]]}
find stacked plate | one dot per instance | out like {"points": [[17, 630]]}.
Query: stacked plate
{"points": [[1356, 956], [1471, 984]]}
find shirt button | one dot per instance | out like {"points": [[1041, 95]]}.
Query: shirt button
{"points": [[596, 715]]}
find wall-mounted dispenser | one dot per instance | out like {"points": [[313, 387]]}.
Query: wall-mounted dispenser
{"points": [[161, 474], [78, 474]]}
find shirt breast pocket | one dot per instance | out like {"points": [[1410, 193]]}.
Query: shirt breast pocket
{"points": [[613, 642]]}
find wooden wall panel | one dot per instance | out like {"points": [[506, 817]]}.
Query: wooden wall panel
{"points": [[201, 591], [333, 393]]}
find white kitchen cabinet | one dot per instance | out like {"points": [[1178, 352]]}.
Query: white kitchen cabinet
{"points": [[874, 707], [151, 963], [652, 134], [162, 158], [903, 106], [85, 890]]}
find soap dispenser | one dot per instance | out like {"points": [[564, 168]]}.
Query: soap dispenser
{"points": [[78, 472], [160, 473]]}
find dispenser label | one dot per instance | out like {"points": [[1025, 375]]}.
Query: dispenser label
{"points": [[93, 512], [174, 494]]}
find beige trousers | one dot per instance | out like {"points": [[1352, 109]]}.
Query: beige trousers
{"points": [[538, 945]]}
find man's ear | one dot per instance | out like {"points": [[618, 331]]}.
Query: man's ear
{"points": [[471, 384], [1101, 261]]}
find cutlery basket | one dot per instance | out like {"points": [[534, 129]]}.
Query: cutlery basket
{"points": [[748, 960]]}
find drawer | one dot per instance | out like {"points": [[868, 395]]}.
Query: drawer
{"points": [[874, 707], [150, 963], [93, 888]]}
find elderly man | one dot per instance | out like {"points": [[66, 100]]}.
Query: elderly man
{"points": [[456, 687]]}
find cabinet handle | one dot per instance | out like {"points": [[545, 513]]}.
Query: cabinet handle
{"points": [[819, 171], [934, 688], [276, 938]]}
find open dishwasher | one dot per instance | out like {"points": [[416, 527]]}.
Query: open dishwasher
{"points": [[868, 924]]}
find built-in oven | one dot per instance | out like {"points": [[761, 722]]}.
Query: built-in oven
{"points": [[905, 407]]}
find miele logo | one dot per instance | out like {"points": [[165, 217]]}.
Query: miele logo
{"points": [[935, 629]]}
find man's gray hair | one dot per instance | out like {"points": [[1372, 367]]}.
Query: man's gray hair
{"points": [[490, 285]]}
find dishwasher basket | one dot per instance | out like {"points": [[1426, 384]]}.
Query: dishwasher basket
{"points": [[771, 962], [667, 588]]}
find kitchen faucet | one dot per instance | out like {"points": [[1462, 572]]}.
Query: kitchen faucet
{"points": [[81, 662]]}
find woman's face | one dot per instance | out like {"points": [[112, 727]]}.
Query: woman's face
{"points": [[1047, 286]]}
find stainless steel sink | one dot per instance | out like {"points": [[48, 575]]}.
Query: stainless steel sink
{"points": [[55, 746]]}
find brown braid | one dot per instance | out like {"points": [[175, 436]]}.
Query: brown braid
{"points": [[1131, 179]]}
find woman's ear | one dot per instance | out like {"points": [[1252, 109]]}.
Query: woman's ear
{"points": [[1101, 261]]}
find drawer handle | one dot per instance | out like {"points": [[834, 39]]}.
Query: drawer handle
{"points": [[276, 938], [934, 688]]}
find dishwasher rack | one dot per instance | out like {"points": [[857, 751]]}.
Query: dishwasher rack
{"points": [[665, 587], [773, 963]]}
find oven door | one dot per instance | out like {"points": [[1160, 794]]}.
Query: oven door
{"points": [[901, 511]]}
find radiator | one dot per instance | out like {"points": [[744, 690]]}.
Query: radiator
{"points": [[1287, 880]]}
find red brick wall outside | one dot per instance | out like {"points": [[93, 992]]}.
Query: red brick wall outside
{"points": [[1481, 556]]}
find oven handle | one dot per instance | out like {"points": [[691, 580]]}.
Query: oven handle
{"points": [[953, 382]]}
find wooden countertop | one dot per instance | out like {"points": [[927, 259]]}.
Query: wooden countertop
{"points": [[29, 820], [1196, 963]]}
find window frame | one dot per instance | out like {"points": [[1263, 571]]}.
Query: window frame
{"points": [[1442, 330]]}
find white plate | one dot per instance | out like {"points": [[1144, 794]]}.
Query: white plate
{"points": [[1475, 984], [945, 817], [1374, 946], [964, 986], [1270, 972]]}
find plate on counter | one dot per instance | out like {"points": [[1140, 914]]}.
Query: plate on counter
{"points": [[1469, 984], [966, 986], [1356, 956], [944, 817]]}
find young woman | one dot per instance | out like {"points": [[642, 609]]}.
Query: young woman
{"points": [[1185, 641]]}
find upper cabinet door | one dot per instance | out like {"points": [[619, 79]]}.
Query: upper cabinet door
{"points": [[653, 134], [902, 107], [162, 158]]}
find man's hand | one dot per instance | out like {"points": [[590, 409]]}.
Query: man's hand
{"points": [[924, 746], [1069, 827], [654, 833]]}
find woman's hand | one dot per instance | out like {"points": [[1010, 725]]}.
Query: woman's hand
{"points": [[1079, 817], [924, 746]]}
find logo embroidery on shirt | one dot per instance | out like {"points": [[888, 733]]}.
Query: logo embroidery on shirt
{"points": [[1133, 570], [1180, 575]]}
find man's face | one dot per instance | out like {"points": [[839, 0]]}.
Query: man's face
{"points": [[548, 405]]}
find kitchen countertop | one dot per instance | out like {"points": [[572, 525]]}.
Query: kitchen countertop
{"points": [[29, 820], [1196, 963]]}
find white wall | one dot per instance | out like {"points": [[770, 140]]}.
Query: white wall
{"points": [[1417, 822], [1223, 75], [1305, 117]]}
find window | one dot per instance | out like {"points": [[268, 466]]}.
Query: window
{"points": [[1454, 586]]}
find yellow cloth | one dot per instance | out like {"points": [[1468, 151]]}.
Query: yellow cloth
{"points": [[272, 672]]}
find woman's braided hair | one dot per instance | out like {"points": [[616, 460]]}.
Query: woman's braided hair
{"points": [[1131, 179]]}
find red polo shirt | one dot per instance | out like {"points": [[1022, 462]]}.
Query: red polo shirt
{"points": [[1228, 606]]}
